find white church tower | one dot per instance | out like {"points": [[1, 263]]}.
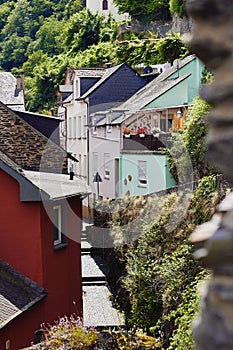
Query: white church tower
{"points": [[105, 7]]}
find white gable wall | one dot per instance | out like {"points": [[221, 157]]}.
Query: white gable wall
{"points": [[97, 6]]}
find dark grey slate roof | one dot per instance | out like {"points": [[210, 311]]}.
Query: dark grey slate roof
{"points": [[107, 73], [23, 147], [17, 293], [141, 98], [149, 93], [7, 92]]}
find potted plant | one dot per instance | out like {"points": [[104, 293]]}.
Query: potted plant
{"points": [[142, 132], [126, 132], [174, 132], [156, 132]]}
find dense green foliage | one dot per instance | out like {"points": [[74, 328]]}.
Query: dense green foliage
{"points": [[161, 275], [43, 38], [192, 143], [151, 237], [145, 10], [178, 7], [194, 136], [69, 333]]}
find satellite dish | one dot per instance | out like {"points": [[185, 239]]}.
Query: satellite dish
{"points": [[148, 70], [167, 65], [176, 63]]}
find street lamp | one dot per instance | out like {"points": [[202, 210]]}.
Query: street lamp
{"points": [[97, 178], [179, 114]]}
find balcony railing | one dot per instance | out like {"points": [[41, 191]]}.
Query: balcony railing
{"points": [[149, 142]]}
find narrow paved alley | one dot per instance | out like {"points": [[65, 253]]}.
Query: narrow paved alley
{"points": [[98, 309]]}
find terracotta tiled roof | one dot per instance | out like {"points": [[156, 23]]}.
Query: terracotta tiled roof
{"points": [[26, 147], [17, 293]]}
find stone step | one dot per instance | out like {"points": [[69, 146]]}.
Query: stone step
{"points": [[98, 309], [85, 245], [94, 283], [94, 279], [90, 269]]}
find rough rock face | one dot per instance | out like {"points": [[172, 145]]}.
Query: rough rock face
{"points": [[212, 41], [181, 25]]}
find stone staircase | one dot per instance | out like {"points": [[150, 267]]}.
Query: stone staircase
{"points": [[98, 309]]}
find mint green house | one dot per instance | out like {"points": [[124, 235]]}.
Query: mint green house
{"points": [[143, 173], [186, 89]]}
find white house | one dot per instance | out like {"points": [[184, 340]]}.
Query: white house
{"points": [[163, 104], [105, 7], [87, 91]]}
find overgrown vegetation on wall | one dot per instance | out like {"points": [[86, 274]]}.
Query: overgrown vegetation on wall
{"points": [[43, 38], [151, 235], [69, 333], [188, 151]]}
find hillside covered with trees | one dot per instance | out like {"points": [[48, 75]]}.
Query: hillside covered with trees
{"points": [[43, 38]]}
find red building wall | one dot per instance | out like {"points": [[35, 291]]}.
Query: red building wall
{"points": [[20, 230], [27, 244], [62, 267]]}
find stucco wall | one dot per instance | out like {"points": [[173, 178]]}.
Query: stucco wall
{"points": [[177, 95], [27, 245], [96, 6], [158, 175], [20, 230], [101, 143], [195, 67]]}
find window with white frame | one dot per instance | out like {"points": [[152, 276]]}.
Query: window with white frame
{"points": [[74, 127], [142, 173], [79, 164], [69, 128], [79, 127], [57, 231], [107, 165], [83, 126], [84, 165], [94, 163], [105, 5], [94, 128]]}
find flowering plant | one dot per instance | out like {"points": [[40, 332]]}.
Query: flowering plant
{"points": [[174, 130], [156, 131], [126, 131], [142, 130]]}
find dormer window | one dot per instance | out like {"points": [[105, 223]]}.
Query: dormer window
{"points": [[105, 5], [57, 231]]}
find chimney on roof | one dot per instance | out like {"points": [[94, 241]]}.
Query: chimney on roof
{"points": [[19, 84], [108, 65]]}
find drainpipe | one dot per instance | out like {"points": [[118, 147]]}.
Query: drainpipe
{"points": [[66, 128], [166, 119], [65, 115], [88, 168]]}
